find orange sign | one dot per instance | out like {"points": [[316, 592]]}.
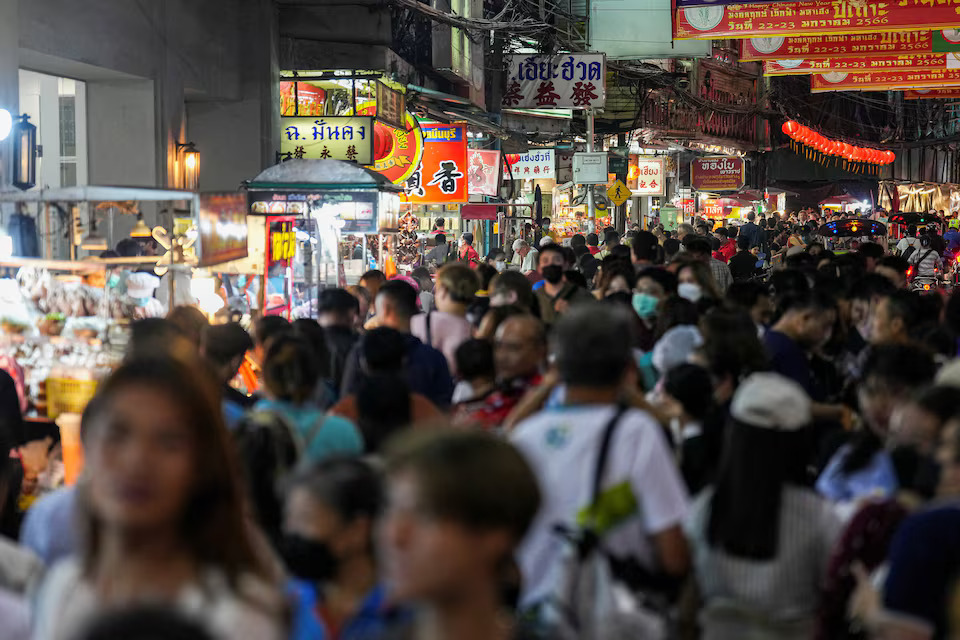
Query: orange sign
{"points": [[815, 17], [815, 47], [856, 64], [924, 94], [884, 80], [441, 177], [396, 152]]}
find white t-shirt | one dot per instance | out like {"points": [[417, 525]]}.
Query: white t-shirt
{"points": [[67, 602], [908, 242], [641, 480]]}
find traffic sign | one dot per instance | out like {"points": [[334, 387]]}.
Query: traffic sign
{"points": [[619, 193]]}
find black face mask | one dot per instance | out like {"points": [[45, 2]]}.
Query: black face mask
{"points": [[307, 559], [552, 273]]}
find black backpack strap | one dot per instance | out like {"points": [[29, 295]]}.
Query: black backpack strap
{"points": [[605, 452], [428, 331]]}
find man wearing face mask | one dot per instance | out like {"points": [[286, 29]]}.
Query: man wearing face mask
{"points": [[556, 296], [653, 285], [328, 545]]}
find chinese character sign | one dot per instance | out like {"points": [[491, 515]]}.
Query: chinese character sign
{"points": [[347, 138], [443, 173], [718, 173], [536, 164], [568, 81], [483, 172], [650, 177]]}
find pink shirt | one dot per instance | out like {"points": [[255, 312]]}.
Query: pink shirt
{"points": [[447, 333]]}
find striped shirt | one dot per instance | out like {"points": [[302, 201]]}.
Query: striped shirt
{"points": [[746, 598], [721, 273]]}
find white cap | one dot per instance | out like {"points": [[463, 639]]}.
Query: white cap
{"points": [[771, 401], [142, 285], [545, 240], [675, 346]]}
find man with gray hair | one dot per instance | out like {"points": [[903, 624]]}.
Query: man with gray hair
{"points": [[592, 344], [525, 257]]}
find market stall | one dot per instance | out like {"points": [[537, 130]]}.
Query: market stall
{"points": [[308, 214], [843, 204]]}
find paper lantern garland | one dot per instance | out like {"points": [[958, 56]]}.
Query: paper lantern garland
{"points": [[820, 148]]}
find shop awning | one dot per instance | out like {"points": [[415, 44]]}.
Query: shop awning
{"points": [[839, 201], [92, 193], [320, 174]]}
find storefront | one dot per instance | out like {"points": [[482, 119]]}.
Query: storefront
{"points": [[322, 223]]}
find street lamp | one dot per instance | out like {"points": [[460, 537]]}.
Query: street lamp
{"points": [[24, 154], [191, 165]]}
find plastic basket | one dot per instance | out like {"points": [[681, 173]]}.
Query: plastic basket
{"points": [[68, 396]]}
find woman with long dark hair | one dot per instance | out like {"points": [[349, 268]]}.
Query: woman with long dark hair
{"points": [[760, 539], [162, 512]]}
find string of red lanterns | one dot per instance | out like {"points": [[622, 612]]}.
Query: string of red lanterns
{"points": [[806, 136]]}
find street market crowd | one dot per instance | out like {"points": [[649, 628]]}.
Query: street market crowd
{"points": [[651, 435]]}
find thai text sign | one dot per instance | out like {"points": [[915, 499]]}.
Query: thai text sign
{"points": [[885, 80], [568, 81], [347, 138], [685, 4], [894, 43], [441, 177], [483, 172], [816, 17], [718, 173], [537, 164], [860, 63], [712, 209], [650, 177], [222, 225], [924, 94]]}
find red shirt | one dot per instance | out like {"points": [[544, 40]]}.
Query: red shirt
{"points": [[726, 251], [490, 411], [593, 250], [469, 255]]}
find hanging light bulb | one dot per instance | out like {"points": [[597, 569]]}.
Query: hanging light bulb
{"points": [[140, 229]]}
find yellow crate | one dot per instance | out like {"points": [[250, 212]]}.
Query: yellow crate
{"points": [[68, 396]]}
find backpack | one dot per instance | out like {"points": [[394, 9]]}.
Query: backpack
{"points": [[591, 601], [909, 251]]}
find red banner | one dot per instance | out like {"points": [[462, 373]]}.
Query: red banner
{"points": [[925, 94], [718, 173], [855, 64], [884, 80], [441, 177], [816, 47], [815, 17]]}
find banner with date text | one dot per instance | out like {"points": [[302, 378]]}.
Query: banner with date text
{"points": [[937, 61], [814, 17], [859, 45], [885, 80], [927, 94]]}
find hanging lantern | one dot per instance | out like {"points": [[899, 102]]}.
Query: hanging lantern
{"points": [[891, 156], [24, 154], [791, 127]]}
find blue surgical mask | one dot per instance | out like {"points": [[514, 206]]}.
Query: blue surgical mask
{"points": [[645, 304], [113, 281], [142, 302], [241, 281]]}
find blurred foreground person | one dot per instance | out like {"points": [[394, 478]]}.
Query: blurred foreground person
{"points": [[14, 614], [458, 505], [162, 509], [331, 513], [760, 539], [144, 623]]}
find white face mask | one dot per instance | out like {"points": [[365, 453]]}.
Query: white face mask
{"points": [[500, 265], [689, 291]]}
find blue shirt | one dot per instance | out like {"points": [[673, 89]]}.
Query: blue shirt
{"points": [[952, 238], [426, 370], [48, 528], [924, 561], [323, 436], [789, 360], [371, 620], [878, 477]]}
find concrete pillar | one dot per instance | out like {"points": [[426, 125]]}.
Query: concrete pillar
{"points": [[9, 82]]}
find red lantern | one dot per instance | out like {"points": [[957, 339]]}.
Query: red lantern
{"points": [[846, 149], [791, 127], [891, 156], [382, 142]]}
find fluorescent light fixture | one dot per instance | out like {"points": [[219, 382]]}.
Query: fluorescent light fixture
{"points": [[6, 124]]}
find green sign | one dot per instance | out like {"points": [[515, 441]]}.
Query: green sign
{"points": [[942, 45]]}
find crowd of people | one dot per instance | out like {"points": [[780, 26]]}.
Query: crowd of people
{"points": [[652, 436]]}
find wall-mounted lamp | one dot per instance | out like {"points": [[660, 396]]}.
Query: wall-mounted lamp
{"points": [[24, 153], [189, 161]]}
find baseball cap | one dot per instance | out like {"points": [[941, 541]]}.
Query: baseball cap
{"points": [[771, 401]]}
